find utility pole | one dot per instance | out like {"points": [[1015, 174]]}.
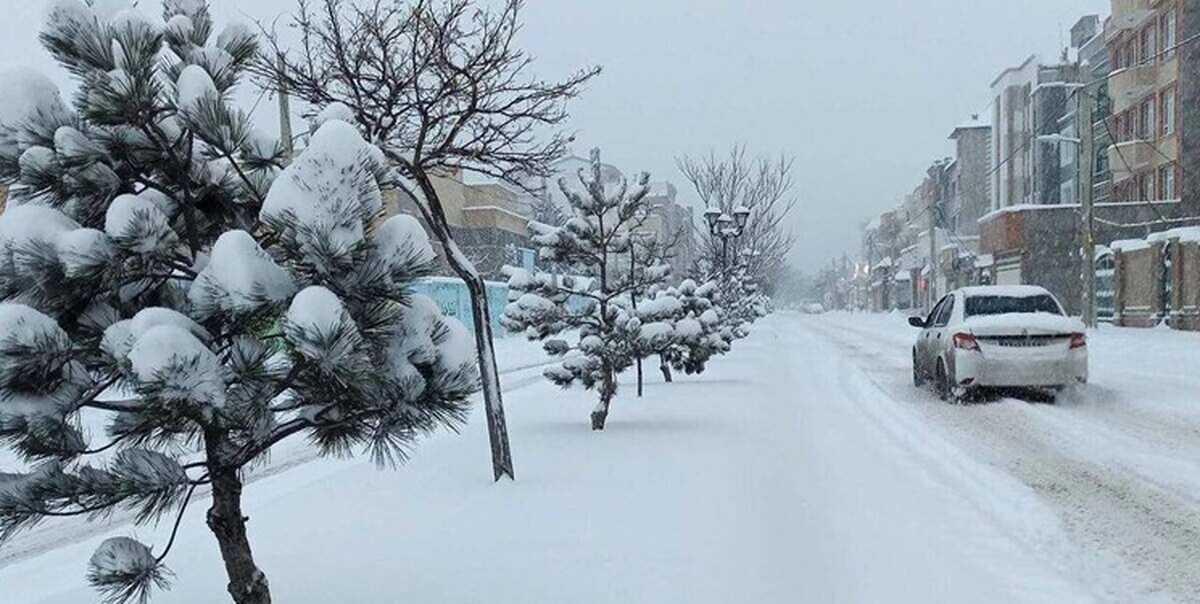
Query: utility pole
{"points": [[1086, 167], [931, 284]]}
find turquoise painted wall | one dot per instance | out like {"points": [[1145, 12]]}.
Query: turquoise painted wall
{"points": [[452, 297]]}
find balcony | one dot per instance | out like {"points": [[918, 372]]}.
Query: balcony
{"points": [[1130, 14], [1129, 85], [1130, 158]]}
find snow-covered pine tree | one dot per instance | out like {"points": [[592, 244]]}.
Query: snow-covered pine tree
{"points": [[174, 303], [448, 90], [700, 329], [593, 245], [742, 299], [648, 267]]}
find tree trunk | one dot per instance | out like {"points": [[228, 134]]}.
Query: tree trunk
{"points": [[493, 400], [639, 377], [666, 369], [608, 388], [247, 584], [490, 375]]}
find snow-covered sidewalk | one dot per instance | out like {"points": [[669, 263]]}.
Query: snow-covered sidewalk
{"points": [[801, 468]]}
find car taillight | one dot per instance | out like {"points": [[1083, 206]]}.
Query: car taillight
{"points": [[1078, 340], [965, 341]]}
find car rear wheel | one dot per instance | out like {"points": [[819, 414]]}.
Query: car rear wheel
{"points": [[942, 382], [918, 375]]}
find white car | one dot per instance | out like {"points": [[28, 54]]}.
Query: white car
{"points": [[998, 337]]}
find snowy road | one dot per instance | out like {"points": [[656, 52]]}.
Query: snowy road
{"points": [[1117, 463], [802, 468]]}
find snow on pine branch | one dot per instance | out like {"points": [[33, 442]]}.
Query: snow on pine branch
{"points": [[155, 250]]}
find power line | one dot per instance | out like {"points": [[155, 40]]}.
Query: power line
{"points": [[1079, 87], [1116, 147], [1076, 89]]}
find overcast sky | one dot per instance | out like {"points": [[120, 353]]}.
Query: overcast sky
{"points": [[861, 94]]}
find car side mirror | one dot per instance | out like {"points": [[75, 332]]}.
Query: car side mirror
{"points": [[917, 322]]}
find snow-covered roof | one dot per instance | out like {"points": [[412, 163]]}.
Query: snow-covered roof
{"points": [[985, 260], [902, 276], [1129, 245], [1025, 207], [1186, 234], [970, 125]]}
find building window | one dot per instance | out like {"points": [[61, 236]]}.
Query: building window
{"points": [[1168, 112], [1145, 187], [1166, 182], [1167, 32], [1146, 124], [1146, 45]]}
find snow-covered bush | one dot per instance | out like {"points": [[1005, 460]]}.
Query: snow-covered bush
{"points": [[742, 300], [699, 328], [166, 283], [593, 243]]}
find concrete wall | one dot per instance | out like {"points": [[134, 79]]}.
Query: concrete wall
{"points": [[1150, 288], [1185, 302], [1138, 287]]}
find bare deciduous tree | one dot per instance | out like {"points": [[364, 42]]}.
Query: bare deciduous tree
{"points": [[440, 86], [762, 185]]}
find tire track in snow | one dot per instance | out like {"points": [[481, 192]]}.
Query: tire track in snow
{"points": [[1167, 433], [1154, 530]]}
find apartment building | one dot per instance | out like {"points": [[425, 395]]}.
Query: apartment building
{"points": [[1091, 52], [672, 222], [487, 220], [1149, 78], [1028, 101], [970, 193]]}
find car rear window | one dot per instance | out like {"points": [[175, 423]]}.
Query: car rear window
{"points": [[1001, 305]]}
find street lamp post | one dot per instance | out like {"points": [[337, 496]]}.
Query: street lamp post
{"points": [[726, 227]]}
